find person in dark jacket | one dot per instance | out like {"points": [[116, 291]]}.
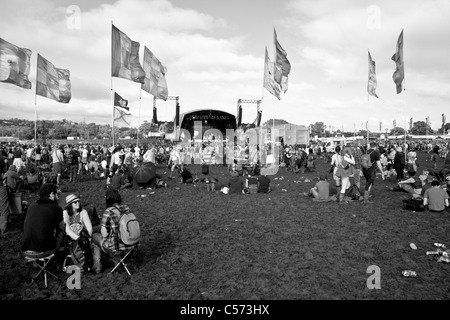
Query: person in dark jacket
{"points": [[236, 183], [399, 163], [43, 229]]}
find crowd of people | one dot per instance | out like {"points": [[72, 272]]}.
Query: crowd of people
{"points": [[54, 232]]}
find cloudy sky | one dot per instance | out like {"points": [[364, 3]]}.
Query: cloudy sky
{"points": [[214, 55]]}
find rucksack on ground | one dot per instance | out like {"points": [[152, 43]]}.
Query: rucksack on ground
{"points": [[129, 230], [365, 161], [413, 205]]}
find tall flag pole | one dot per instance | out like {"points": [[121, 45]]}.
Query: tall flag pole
{"points": [[399, 73], [443, 124], [124, 60], [112, 92], [139, 119]]}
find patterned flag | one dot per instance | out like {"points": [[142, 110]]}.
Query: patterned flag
{"points": [[399, 73], [121, 116], [372, 83], [155, 80], [282, 64], [14, 64], [125, 57], [410, 123], [51, 82], [269, 82], [120, 102]]}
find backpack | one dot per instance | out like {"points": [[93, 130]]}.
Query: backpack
{"points": [[365, 161], [129, 230], [413, 205], [353, 193]]}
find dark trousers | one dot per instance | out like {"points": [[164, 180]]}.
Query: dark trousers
{"points": [[369, 175]]}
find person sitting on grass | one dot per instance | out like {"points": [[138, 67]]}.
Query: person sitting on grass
{"points": [[264, 184], [118, 180], [321, 191], [436, 198], [251, 184], [235, 184], [186, 176]]}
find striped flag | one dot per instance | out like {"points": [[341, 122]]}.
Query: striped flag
{"points": [[282, 64], [399, 73], [269, 81], [372, 83], [51, 82], [125, 57], [14, 64], [155, 80]]}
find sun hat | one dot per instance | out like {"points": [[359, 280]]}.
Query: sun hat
{"points": [[71, 198]]}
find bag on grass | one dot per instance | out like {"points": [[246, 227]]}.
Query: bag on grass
{"points": [[353, 192], [129, 230], [413, 205]]}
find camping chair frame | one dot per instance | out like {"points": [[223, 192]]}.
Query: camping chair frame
{"points": [[42, 263], [123, 258]]}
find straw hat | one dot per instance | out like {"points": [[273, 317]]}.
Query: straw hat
{"points": [[71, 198]]}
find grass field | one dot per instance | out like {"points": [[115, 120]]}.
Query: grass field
{"points": [[279, 246]]}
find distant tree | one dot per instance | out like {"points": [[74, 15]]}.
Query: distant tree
{"points": [[420, 128], [317, 129], [397, 131], [271, 122]]}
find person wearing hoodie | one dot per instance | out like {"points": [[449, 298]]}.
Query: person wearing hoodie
{"points": [[13, 181]]}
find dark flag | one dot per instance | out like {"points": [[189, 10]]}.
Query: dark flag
{"points": [[120, 102]]}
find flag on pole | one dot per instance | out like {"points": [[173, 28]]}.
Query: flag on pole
{"points": [[155, 115], [269, 81], [372, 83], [399, 73], [380, 126], [155, 80], [14, 64], [410, 123], [394, 123], [51, 82], [428, 120], [121, 116], [282, 64], [443, 119], [120, 102], [125, 57]]}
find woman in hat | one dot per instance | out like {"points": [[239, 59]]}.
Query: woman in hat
{"points": [[79, 227]]}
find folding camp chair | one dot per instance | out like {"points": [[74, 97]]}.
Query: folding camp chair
{"points": [[42, 262], [121, 256]]}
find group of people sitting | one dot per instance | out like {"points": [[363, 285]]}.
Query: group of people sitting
{"points": [[51, 229]]}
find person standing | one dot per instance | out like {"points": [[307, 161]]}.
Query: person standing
{"points": [[399, 163], [74, 156], [370, 173], [57, 164], [357, 173]]}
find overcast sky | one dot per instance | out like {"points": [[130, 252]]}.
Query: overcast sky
{"points": [[214, 55]]}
